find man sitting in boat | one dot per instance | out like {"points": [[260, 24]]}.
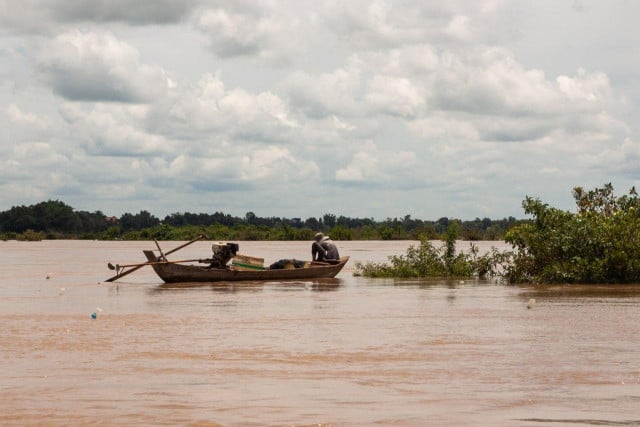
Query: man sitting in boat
{"points": [[323, 249], [222, 254]]}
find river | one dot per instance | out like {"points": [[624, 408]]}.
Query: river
{"points": [[349, 351]]}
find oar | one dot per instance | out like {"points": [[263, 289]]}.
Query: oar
{"points": [[160, 250], [142, 264], [124, 273]]}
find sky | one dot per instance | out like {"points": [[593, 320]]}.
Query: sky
{"points": [[299, 108]]}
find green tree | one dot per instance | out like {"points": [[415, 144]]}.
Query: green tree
{"points": [[597, 244], [139, 221], [329, 220]]}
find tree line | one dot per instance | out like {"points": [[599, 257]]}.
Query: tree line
{"points": [[54, 219]]}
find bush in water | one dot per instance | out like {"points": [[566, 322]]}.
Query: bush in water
{"points": [[597, 244], [426, 260]]}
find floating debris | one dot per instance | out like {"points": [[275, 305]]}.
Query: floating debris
{"points": [[49, 276], [94, 315], [531, 303], [62, 291]]}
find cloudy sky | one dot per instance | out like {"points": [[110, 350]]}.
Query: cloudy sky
{"points": [[300, 108]]}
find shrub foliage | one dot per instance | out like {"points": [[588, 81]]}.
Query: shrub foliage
{"points": [[599, 243], [426, 260]]}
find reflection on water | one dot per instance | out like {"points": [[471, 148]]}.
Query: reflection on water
{"points": [[582, 291], [322, 284], [386, 352], [586, 422]]}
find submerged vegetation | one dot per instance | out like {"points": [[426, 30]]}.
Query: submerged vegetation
{"points": [[426, 260], [599, 243]]}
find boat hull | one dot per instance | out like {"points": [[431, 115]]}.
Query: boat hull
{"points": [[178, 273]]}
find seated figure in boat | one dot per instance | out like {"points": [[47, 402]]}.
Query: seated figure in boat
{"points": [[222, 254], [323, 249]]}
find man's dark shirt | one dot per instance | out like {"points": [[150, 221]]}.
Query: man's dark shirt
{"points": [[325, 250]]}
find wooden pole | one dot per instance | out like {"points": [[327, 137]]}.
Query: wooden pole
{"points": [[160, 249], [142, 264], [124, 273]]}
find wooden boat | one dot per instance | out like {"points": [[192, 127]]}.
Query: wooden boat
{"points": [[176, 273]]}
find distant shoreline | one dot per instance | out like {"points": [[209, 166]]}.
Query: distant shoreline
{"points": [[54, 220]]}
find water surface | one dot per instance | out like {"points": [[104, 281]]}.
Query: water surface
{"points": [[347, 351]]}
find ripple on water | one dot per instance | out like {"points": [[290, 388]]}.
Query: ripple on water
{"points": [[350, 351]]}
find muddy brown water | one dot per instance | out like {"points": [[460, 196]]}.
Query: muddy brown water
{"points": [[348, 351]]}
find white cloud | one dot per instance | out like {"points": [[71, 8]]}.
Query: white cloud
{"points": [[231, 34], [428, 105], [255, 167], [260, 30], [587, 89], [371, 166], [113, 130], [490, 82], [396, 96], [27, 119], [439, 127], [29, 160], [361, 169], [41, 17], [459, 28], [96, 66], [340, 124], [371, 25], [208, 110], [379, 24], [334, 93], [411, 60]]}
